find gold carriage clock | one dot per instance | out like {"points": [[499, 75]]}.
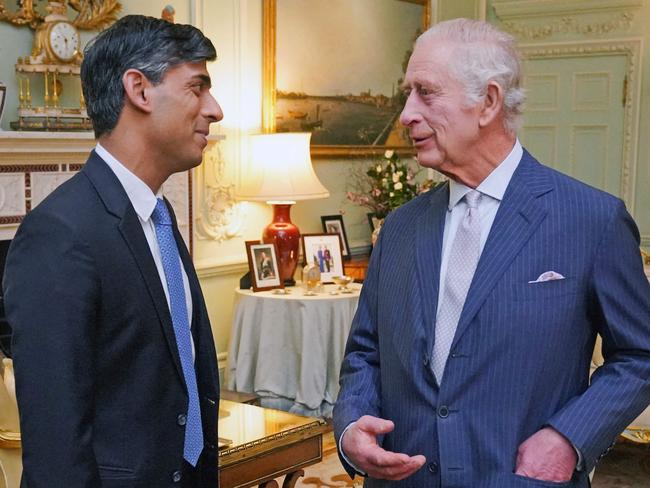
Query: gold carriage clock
{"points": [[49, 88]]}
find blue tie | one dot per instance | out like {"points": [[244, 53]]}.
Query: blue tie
{"points": [[171, 264]]}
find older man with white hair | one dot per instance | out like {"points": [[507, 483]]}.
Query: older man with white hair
{"points": [[468, 360]]}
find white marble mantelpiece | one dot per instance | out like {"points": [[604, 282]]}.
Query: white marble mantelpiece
{"points": [[33, 164]]}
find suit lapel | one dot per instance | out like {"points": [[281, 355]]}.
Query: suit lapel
{"points": [[117, 202], [519, 216], [428, 250]]}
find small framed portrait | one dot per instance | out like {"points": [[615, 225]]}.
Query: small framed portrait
{"points": [[263, 266], [3, 96], [373, 221], [326, 252], [333, 224]]}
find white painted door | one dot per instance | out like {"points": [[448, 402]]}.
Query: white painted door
{"points": [[574, 116]]}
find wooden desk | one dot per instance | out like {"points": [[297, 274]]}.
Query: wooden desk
{"points": [[266, 444]]}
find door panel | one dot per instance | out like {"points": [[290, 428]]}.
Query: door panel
{"points": [[574, 116]]}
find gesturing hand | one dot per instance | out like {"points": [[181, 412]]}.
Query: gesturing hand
{"points": [[360, 446], [546, 455]]}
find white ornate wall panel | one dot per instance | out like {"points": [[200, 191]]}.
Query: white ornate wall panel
{"points": [[12, 194], [42, 184], [545, 19], [219, 216]]}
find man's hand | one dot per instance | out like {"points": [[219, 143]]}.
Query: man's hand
{"points": [[548, 456], [360, 446]]}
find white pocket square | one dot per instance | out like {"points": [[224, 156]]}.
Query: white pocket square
{"points": [[548, 276]]}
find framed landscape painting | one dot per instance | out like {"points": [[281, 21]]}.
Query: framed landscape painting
{"points": [[334, 68]]}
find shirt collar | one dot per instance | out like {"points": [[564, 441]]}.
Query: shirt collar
{"points": [[495, 184], [141, 197]]}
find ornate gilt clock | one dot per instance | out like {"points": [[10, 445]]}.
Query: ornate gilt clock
{"points": [[53, 65]]}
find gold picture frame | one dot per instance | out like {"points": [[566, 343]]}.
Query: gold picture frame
{"points": [[269, 86], [3, 98]]}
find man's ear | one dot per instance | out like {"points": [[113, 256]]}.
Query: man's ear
{"points": [[137, 89], [492, 104]]}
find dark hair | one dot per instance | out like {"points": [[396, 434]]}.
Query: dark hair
{"points": [[147, 44]]}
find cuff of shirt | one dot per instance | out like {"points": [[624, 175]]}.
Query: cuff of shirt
{"points": [[580, 465], [345, 458]]}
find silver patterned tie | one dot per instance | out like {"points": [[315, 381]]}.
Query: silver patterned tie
{"points": [[461, 264]]}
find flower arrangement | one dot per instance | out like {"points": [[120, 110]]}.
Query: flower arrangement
{"points": [[386, 185]]}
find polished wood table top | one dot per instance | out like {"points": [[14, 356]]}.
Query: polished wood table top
{"points": [[258, 445]]}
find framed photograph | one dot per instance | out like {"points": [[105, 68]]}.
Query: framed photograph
{"points": [[333, 224], [263, 266], [354, 110], [324, 250], [373, 221], [3, 96]]}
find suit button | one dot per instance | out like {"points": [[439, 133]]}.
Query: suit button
{"points": [[433, 467], [443, 412], [181, 419], [177, 476], [425, 361]]}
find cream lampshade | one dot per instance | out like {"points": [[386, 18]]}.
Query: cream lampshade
{"points": [[280, 173]]}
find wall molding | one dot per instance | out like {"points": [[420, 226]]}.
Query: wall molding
{"points": [[41, 145], [213, 268], [570, 25], [632, 50], [517, 9]]}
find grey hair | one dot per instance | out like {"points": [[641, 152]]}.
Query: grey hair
{"points": [[483, 54], [147, 44]]}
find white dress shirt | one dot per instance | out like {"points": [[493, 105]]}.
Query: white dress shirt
{"points": [[144, 202], [492, 190]]}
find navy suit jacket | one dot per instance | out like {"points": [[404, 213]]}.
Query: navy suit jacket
{"points": [[98, 376], [521, 354]]}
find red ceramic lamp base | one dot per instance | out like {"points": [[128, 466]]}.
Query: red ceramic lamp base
{"points": [[286, 237]]}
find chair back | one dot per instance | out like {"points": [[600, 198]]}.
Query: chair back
{"points": [[11, 465]]}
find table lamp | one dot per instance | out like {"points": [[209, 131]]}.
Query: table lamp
{"points": [[281, 173]]}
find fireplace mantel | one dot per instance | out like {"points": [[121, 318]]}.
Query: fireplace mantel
{"points": [[33, 164]]}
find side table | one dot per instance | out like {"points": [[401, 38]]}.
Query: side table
{"points": [[288, 349]]}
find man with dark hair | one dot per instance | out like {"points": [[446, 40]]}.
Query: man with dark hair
{"points": [[471, 345], [116, 371]]}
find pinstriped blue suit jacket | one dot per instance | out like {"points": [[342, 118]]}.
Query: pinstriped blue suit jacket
{"points": [[520, 358]]}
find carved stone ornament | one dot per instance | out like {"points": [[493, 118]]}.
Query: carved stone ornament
{"points": [[220, 216], [569, 25]]}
